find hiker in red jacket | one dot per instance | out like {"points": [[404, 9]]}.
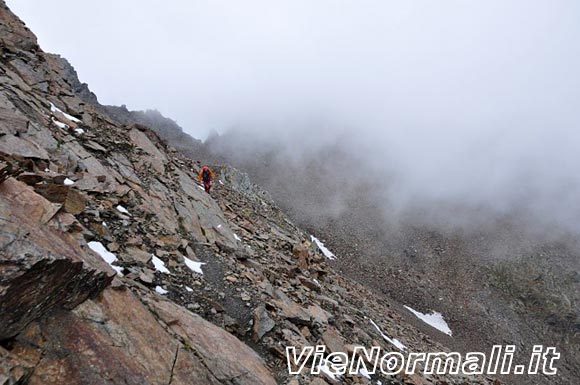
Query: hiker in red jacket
{"points": [[206, 176]]}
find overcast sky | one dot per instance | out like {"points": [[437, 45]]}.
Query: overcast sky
{"points": [[469, 97], [211, 63]]}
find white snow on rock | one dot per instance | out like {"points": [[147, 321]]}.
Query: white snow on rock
{"points": [[107, 256], [159, 265], [189, 289], [363, 372], [194, 266], [398, 344], [79, 131], [237, 238], [59, 124], [160, 290], [121, 209], [54, 108], [327, 253], [68, 182], [433, 319], [326, 369]]}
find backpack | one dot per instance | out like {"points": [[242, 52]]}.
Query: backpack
{"points": [[206, 176]]}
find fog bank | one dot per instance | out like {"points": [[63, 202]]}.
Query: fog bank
{"points": [[443, 104]]}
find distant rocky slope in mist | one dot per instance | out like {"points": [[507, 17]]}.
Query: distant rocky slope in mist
{"points": [[166, 128], [497, 280], [116, 268]]}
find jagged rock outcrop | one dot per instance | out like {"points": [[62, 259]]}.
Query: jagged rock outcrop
{"points": [[116, 267], [42, 267]]}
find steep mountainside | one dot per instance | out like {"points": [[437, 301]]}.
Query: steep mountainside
{"points": [[115, 266], [496, 279]]}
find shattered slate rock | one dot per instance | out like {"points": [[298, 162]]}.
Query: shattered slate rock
{"points": [[262, 323]]}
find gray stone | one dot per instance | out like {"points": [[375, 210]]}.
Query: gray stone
{"points": [[13, 145], [262, 323]]}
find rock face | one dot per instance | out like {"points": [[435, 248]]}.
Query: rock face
{"points": [[117, 268], [118, 339], [42, 268]]}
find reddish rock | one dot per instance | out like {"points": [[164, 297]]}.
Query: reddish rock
{"points": [[226, 357], [42, 268], [71, 199]]}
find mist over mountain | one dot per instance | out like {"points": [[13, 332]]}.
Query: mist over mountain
{"points": [[470, 105], [444, 179]]}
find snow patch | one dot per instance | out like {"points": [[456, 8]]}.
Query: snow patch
{"points": [[54, 108], [159, 265], [79, 131], [189, 289], [327, 253], [398, 344], [160, 290], [237, 238], [59, 124], [121, 209], [68, 182], [433, 319], [107, 256], [326, 369], [363, 372], [194, 266]]}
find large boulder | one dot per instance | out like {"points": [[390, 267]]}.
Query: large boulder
{"points": [[116, 339], [228, 359]]}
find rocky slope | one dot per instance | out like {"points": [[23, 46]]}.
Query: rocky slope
{"points": [[167, 129], [116, 267], [497, 279], [500, 281]]}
